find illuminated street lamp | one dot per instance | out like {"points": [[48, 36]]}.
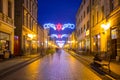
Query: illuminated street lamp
{"points": [[105, 26]]}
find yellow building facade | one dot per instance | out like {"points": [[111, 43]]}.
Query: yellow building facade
{"points": [[105, 23], [7, 26], [83, 26], [103, 32], [26, 32]]}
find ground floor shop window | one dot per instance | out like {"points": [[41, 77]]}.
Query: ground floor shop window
{"points": [[114, 42], [4, 43]]}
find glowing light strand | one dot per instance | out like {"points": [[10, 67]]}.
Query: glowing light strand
{"points": [[59, 35], [59, 26], [71, 26], [49, 25]]}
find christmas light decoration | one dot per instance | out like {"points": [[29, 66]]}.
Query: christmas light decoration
{"points": [[59, 35], [71, 26], [49, 25], [58, 26], [54, 36]]}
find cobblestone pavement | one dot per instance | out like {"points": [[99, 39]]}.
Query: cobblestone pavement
{"points": [[59, 66]]}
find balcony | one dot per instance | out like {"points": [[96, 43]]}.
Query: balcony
{"points": [[6, 19]]}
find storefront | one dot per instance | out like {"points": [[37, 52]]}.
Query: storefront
{"points": [[30, 44], [5, 45], [114, 42]]}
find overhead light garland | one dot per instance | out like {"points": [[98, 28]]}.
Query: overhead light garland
{"points": [[59, 26]]}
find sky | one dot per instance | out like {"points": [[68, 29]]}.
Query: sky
{"points": [[58, 11]]}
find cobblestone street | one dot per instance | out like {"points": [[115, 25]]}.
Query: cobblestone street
{"points": [[59, 66]]}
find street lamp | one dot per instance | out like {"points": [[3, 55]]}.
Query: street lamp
{"points": [[105, 26]]}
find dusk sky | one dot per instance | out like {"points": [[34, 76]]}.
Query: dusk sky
{"points": [[58, 11]]}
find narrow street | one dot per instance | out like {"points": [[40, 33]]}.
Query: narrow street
{"points": [[59, 66]]}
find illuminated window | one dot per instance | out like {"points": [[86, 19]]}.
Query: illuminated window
{"points": [[114, 34]]}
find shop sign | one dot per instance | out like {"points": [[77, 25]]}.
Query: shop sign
{"points": [[114, 34]]}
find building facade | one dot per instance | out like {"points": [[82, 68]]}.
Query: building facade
{"points": [[83, 26], [104, 30], [40, 38], [7, 26], [26, 26], [105, 23]]}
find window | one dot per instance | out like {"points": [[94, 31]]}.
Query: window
{"points": [[30, 6], [87, 9], [84, 1], [102, 12], [111, 5], [87, 24], [24, 22], [84, 14], [81, 18], [27, 3], [9, 9], [114, 34], [84, 28], [81, 30], [92, 2], [4, 41], [27, 19], [118, 2], [93, 20], [97, 16], [1, 6], [81, 6]]}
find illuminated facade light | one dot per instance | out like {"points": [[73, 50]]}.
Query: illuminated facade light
{"points": [[105, 26]]}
